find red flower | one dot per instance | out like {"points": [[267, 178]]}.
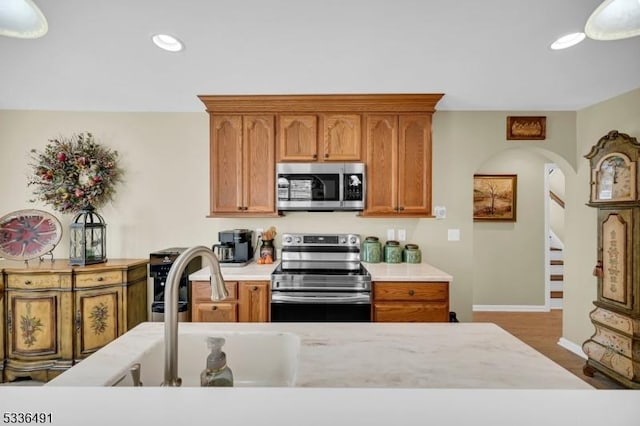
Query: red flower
{"points": [[61, 156]]}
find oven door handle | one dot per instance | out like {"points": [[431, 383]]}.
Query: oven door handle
{"points": [[311, 299]]}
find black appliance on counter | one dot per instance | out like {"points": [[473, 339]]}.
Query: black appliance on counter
{"points": [[160, 262], [320, 278], [235, 248]]}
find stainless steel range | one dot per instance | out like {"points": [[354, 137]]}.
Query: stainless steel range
{"points": [[320, 278]]}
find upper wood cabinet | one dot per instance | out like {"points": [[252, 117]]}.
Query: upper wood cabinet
{"points": [[398, 159], [242, 165], [320, 137], [391, 133]]}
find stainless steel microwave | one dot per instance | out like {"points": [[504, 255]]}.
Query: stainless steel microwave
{"points": [[320, 186]]}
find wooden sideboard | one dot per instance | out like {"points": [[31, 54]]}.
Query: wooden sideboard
{"points": [[54, 315]]}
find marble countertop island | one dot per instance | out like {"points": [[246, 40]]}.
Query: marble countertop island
{"points": [[379, 272], [366, 355]]}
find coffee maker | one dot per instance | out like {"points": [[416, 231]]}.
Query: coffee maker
{"points": [[235, 247]]}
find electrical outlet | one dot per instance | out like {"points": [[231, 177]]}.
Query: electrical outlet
{"points": [[440, 211], [391, 234], [402, 235]]}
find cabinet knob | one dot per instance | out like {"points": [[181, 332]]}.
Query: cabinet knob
{"points": [[28, 282], [214, 307], [401, 208], [326, 156], [315, 156], [255, 288], [239, 207], [100, 279], [411, 292]]}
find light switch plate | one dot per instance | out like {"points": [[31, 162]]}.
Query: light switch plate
{"points": [[402, 235], [391, 234], [454, 234]]}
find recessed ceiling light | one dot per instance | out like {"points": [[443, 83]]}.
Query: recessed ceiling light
{"points": [[167, 42], [614, 20], [22, 19], [567, 41]]}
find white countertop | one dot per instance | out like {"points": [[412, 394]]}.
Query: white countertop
{"points": [[366, 355], [378, 271]]}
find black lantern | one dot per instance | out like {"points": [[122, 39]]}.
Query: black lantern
{"points": [[88, 238]]}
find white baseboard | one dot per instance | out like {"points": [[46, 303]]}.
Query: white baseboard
{"points": [[510, 308], [572, 347]]}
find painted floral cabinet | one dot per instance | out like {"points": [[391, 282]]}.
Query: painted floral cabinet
{"points": [[56, 314], [614, 348]]}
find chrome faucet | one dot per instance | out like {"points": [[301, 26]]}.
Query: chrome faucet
{"points": [[218, 292]]}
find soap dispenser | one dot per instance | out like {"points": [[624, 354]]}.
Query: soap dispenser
{"points": [[217, 373]]}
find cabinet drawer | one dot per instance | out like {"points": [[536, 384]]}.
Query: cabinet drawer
{"points": [[411, 312], [408, 291], [38, 281], [93, 279], [201, 290], [215, 312]]}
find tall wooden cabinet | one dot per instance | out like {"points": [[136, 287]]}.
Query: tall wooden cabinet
{"points": [[398, 165], [391, 133], [242, 165], [614, 348], [56, 314]]}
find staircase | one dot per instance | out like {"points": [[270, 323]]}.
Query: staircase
{"points": [[556, 277]]}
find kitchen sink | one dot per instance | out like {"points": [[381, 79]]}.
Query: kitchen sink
{"points": [[256, 359]]}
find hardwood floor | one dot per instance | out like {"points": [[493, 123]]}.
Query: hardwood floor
{"points": [[541, 331]]}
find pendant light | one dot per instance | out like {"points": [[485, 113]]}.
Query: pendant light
{"points": [[614, 20], [21, 19]]}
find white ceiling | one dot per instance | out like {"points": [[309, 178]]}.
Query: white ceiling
{"points": [[482, 54]]}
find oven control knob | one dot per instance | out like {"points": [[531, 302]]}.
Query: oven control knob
{"points": [[298, 240], [287, 239], [343, 240], [353, 240]]}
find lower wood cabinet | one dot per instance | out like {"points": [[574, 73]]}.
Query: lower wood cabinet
{"points": [[410, 301], [248, 302], [55, 314]]}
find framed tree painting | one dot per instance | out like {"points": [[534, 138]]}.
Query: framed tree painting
{"points": [[494, 197]]}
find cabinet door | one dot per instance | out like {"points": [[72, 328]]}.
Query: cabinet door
{"points": [[215, 312], [414, 159], [226, 163], [34, 322], [298, 138], [259, 164], [254, 301], [341, 137], [99, 319], [615, 252], [381, 144]]}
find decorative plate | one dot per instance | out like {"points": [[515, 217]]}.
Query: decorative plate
{"points": [[27, 234]]}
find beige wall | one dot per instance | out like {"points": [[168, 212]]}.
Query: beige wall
{"points": [[164, 201]]}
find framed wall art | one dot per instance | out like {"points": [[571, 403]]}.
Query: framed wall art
{"points": [[494, 197], [526, 128]]}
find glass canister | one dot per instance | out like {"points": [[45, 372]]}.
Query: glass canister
{"points": [[392, 252], [371, 250], [412, 253]]}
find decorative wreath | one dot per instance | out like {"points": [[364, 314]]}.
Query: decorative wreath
{"points": [[73, 173]]}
